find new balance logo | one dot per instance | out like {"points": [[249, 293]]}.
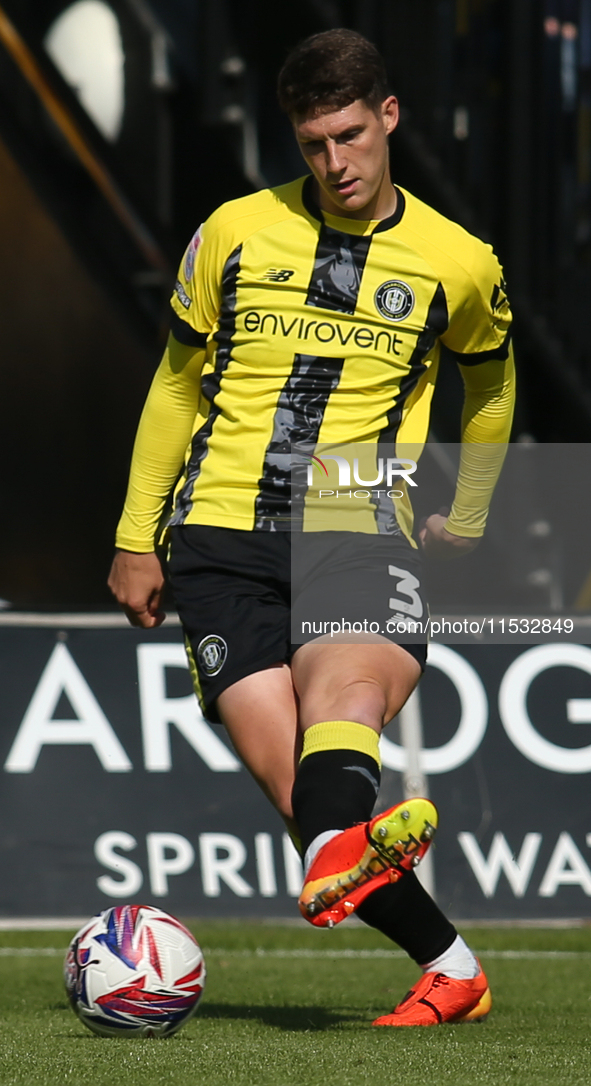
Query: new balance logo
{"points": [[275, 275]]}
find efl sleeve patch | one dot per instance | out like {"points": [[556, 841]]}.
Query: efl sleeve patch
{"points": [[192, 300]]}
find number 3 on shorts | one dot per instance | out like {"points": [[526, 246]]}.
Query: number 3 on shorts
{"points": [[407, 584]]}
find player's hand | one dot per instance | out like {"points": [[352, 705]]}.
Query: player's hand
{"points": [[137, 583], [437, 542]]}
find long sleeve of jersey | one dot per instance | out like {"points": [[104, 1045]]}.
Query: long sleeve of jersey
{"points": [[163, 435], [486, 426]]}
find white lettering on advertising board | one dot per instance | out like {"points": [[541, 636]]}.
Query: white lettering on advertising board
{"points": [[62, 676], [513, 707], [221, 856], [38, 728], [566, 867], [160, 712]]}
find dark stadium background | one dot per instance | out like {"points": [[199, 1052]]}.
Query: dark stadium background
{"points": [[496, 97]]}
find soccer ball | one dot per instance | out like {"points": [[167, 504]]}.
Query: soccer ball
{"points": [[134, 971]]}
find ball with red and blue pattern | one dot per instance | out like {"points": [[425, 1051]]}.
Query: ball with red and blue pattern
{"points": [[134, 970]]}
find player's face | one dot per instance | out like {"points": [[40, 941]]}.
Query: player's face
{"points": [[347, 152]]}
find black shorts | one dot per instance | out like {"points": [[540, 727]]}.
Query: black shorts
{"points": [[245, 604]]}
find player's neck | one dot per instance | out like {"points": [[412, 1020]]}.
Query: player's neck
{"points": [[381, 206]]}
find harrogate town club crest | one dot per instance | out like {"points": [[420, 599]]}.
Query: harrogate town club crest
{"points": [[212, 654], [395, 300]]}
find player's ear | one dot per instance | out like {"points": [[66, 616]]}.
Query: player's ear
{"points": [[390, 113]]}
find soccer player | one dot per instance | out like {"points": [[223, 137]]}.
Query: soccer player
{"points": [[313, 314]]}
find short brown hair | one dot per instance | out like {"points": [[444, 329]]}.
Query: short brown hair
{"points": [[329, 71]]}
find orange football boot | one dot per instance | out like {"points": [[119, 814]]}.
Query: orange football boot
{"points": [[436, 998], [359, 860]]}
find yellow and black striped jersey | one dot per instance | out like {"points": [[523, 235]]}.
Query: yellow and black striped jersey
{"points": [[319, 330]]}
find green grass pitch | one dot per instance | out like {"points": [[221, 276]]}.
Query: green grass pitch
{"points": [[290, 1005]]}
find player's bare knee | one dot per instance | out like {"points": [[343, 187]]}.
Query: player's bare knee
{"points": [[369, 695], [359, 699]]}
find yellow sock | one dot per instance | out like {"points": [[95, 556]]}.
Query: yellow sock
{"points": [[342, 735]]}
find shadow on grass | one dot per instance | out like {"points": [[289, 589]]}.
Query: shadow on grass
{"points": [[288, 1017]]}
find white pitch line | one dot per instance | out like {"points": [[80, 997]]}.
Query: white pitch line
{"points": [[535, 955], [32, 952], [260, 952], [334, 955], [515, 955]]}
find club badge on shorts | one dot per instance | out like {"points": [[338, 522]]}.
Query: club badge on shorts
{"points": [[395, 300], [212, 653]]}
